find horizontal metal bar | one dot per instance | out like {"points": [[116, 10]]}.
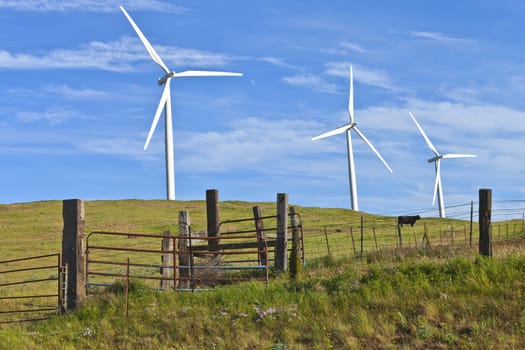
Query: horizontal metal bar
{"points": [[130, 235], [232, 279], [124, 275], [103, 262], [222, 267], [30, 269], [28, 310], [30, 258], [26, 320], [220, 252], [31, 296], [120, 249], [32, 281]]}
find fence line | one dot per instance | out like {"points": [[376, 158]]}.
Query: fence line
{"points": [[25, 286], [356, 239]]}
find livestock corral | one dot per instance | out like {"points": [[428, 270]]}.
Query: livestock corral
{"points": [[144, 245]]}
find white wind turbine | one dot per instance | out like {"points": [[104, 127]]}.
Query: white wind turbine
{"points": [[165, 103], [348, 128], [438, 190]]}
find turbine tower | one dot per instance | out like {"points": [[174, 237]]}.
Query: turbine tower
{"points": [[438, 189], [348, 129], [165, 104]]}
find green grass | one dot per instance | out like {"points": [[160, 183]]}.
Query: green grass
{"points": [[465, 302], [440, 296]]}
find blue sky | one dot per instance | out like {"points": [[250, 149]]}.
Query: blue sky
{"points": [[78, 92]]}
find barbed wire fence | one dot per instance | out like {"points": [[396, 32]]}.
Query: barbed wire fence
{"points": [[365, 235]]}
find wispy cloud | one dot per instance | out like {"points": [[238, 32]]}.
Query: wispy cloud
{"points": [[345, 48], [127, 147], [249, 142], [311, 81], [53, 116], [89, 5], [69, 92], [119, 55], [362, 74], [440, 37]]}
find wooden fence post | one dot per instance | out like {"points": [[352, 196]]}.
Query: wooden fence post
{"points": [[485, 232], [427, 235], [184, 253], [167, 261], [400, 236], [281, 248], [352, 236], [295, 257], [259, 229], [362, 233], [471, 220], [213, 218], [327, 243], [73, 253]]}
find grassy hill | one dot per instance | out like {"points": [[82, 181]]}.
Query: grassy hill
{"points": [[406, 299]]}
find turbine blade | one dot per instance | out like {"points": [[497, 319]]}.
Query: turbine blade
{"points": [[337, 131], [459, 155], [438, 181], [372, 147], [351, 97], [160, 107], [202, 73], [429, 144], [146, 43]]}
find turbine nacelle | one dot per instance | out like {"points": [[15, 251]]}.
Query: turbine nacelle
{"points": [[435, 159], [438, 190], [165, 103], [352, 125], [165, 78]]}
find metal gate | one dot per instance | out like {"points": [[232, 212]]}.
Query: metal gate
{"points": [[32, 288]]}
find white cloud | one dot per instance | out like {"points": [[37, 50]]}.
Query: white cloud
{"points": [[362, 74], [345, 48], [439, 37], [311, 81], [116, 146], [119, 55], [89, 5], [69, 92], [53, 116]]}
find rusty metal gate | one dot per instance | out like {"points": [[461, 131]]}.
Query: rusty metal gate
{"points": [[166, 262], [32, 288]]}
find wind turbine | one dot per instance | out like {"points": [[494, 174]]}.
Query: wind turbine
{"points": [[165, 104], [348, 129], [438, 190]]}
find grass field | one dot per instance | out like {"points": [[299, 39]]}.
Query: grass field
{"points": [[437, 296]]}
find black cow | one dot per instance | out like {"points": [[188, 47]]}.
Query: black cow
{"points": [[407, 219]]}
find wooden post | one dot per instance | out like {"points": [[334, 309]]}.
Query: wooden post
{"points": [[471, 220], [485, 233], [73, 253], [213, 218], [326, 240], [295, 257], [167, 261], [281, 248], [362, 233], [426, 236], [184, 253], [400, 236], [259, 229], [375, 237], [352, 236]]}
